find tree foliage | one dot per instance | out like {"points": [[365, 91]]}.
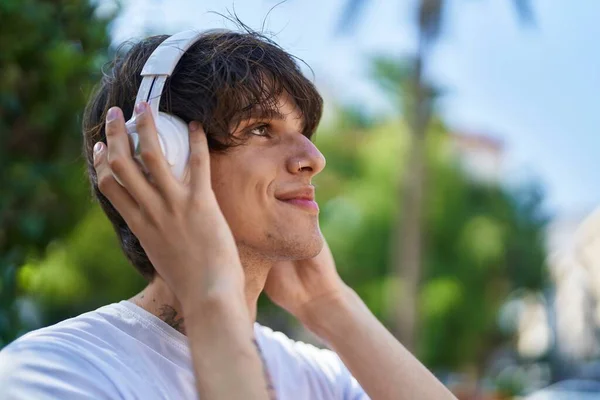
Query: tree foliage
{"points": [[484, 240], [51, 55]]}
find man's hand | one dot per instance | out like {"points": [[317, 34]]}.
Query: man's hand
{"points": [[305, 287], [313, 292], [188, 241], [179, 225]]}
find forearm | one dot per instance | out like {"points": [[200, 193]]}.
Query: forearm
{"points": [[384, 368], [226, 361]]}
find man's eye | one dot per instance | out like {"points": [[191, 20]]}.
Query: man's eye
{"points": [[261, 130]]}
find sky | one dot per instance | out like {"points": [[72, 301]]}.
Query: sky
{"points": [[533, 87]]}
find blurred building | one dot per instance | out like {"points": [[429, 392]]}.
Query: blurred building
{"points": [[565, 322], [574, 262], [481, 156], [557, 330]]}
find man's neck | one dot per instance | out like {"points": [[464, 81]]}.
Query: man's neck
{"points": [[158, 299]]}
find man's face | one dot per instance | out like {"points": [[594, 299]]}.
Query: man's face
{"points": [[264, 187]]}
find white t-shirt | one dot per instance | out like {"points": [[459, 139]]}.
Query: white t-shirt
{"points": [[121, 351]]}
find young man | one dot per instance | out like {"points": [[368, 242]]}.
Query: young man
{"points": [[242, 220]]}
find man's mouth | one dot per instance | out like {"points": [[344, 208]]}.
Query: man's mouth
{"points": [[303, 197], [304, 203]]}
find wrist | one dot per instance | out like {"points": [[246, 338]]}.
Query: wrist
{"points": [[333, 316], [222, 298]]}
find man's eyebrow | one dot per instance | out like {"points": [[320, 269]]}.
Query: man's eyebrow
{"points": [[258, 113]]}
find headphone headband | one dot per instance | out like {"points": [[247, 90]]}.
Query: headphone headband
{"points": [[161, 64], [172, 131], [165, 57]]}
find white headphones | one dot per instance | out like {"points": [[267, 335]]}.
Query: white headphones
{"points": [[172, 131]]}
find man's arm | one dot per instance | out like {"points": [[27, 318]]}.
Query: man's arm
{"points": [[313, 292], [188, 241], [384, 368], [226, 362]]}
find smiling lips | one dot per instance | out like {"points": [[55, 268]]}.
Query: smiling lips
{"points": [[303, 197]]}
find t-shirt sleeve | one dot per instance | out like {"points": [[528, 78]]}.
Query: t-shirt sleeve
{"points": [[42, 371]]}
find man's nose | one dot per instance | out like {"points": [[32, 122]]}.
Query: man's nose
{"points": [[308, 159]]}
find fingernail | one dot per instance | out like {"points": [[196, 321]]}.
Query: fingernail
{"points": [[98, 148], [111, 114], [194, 126], [140, 108]]}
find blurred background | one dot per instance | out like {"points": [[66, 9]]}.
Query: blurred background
{"points": [[460, 191]]}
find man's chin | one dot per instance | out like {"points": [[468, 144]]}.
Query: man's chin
{"points": [[310, 247], [299, 246], [319, 244]]}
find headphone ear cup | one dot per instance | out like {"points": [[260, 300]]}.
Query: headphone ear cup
{"points": [[175, 142]]}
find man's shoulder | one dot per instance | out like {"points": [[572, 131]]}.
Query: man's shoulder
{"points": [[91, 336], [280, 341], [83, 330], [302, 370], [74, 341], [38, 369], [53, 361], [43, 349], [79, 355], [290, 353]]}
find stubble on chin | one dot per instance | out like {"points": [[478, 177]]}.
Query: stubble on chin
{"points": [[284, 244]]}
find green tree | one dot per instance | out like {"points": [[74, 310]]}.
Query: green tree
{"points": [[418, 97], [51, 55], [484, 240]]}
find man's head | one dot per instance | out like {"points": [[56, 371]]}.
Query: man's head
{"points": [[259, 113]]}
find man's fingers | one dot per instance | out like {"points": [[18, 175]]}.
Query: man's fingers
{"points": [[112, 190], [151, 153], [121, 162], [199, 159]]}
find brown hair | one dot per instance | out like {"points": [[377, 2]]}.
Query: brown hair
{"points": [[222, 77]]}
